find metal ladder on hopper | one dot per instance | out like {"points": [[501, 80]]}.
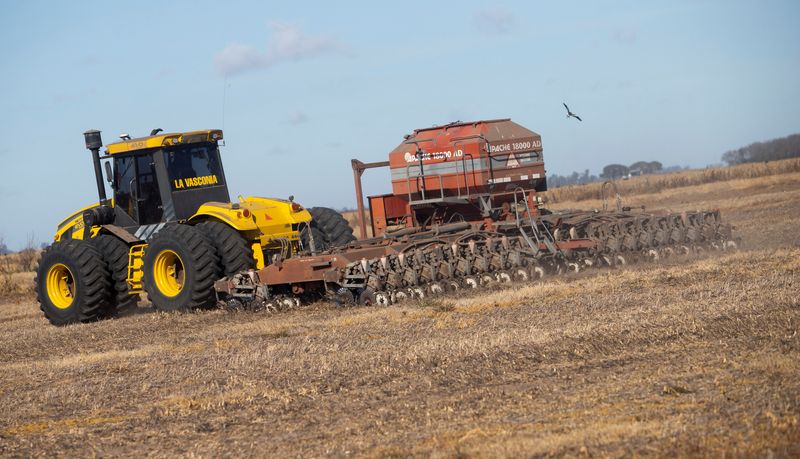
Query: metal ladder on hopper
{"points": [[544, 236]]}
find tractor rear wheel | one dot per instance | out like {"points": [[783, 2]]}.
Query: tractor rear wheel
{"points": [[333, 225], [115, 254], [180, 268], [234, 254], [72, 283]]}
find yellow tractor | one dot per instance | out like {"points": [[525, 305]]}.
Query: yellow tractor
{"points": [[169, 230]]}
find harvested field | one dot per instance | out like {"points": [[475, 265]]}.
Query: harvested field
{"points": [[648, 184], [696, 356]]}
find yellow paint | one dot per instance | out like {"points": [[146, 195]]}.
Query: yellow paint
{"points": [[269, 218], [73, 225], [60, 286], [269, 223], [164, 140], [169, 273], [258, 255]]}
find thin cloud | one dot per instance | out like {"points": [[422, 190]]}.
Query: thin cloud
{"points": [[496, 21], [165, 72], [89, 60], [625, 36], [287, 43], [298, 118]]}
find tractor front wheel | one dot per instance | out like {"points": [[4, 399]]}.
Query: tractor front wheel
{"points": [[72, 283], [180, 268]]}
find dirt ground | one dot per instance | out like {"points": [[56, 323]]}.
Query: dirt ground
{"points": [[692, 357]]}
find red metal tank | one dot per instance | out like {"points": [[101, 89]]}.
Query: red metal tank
{"points": [[480, 172], [464, 159]]}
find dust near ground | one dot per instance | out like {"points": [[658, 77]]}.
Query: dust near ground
{"points": [[697, 356]]}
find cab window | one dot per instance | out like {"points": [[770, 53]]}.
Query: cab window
{"points": [[193, 166], [124, 174], [150, 209]]}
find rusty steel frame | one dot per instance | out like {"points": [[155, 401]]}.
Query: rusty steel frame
{"points": [[358, 170]]}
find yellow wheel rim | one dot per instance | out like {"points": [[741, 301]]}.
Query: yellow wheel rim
{"points": [[60, 286], [168, 273]]}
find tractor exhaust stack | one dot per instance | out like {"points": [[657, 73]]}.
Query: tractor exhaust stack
{"points": [[93, 144]]}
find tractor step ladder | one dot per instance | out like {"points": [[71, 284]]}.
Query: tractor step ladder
{"points": [[135, 272]]}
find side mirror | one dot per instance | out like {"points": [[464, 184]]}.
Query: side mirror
{"points": [[109, 174]]}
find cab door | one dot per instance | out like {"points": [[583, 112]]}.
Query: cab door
{"points": [[148, 195], [137, 200], [126, 209]]}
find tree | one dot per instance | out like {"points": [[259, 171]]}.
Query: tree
{"points": [[645, 167], [771, 150], [639, 167], [614, 171], [28, 255], [655, 166], [555, 180]]}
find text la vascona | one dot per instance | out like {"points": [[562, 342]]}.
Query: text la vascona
{"points": [[191, 182]]}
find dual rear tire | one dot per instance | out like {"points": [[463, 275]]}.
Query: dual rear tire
{"points": [[329, 229]]}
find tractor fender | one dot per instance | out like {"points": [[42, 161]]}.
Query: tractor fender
{"points": [[224, 212], [264, 215]]}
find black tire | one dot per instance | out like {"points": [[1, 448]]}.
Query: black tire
{"points": [[321, 242], [234, 254], [85, 276], [200, 268], [333, 225], [115, 254]]}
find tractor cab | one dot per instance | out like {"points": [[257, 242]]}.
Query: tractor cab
{"points": [[164, 177]]}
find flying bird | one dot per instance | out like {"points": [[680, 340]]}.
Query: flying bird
{"points": [[569, 113]]}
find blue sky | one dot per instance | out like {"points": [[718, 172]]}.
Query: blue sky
{"points": [[311, 85]]}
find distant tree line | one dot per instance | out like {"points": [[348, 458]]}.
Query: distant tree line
{"points": [[555, 180], [615, 171], [610, 172], [771, 150]]}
